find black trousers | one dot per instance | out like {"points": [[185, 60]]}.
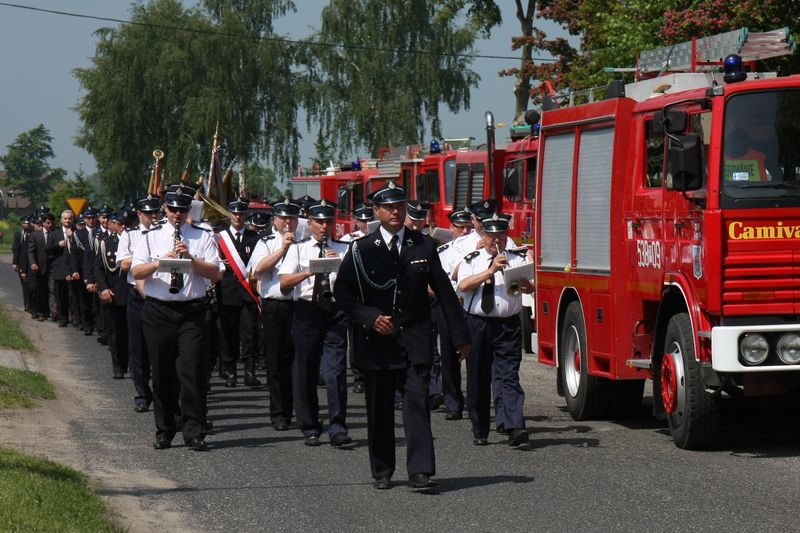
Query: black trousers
{"points": [[85, 307], [40, 303], [99, 312], [117, 336], [26, 292], [276, 319], [137, 349], [451, 364], [175, 337], [238, 327], [496, 354], [379, 388]]}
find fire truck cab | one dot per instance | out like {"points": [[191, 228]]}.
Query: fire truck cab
{"points": [[668, 247]]}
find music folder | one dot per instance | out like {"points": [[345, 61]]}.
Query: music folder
{"points": [[324, 265], [518, 273], [173, 265], [442, 235]]}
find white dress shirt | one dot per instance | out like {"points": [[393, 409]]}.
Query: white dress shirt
{"points": [[505, 305], [269, 284], [298, 259]]}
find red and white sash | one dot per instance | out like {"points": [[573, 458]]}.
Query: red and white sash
{"points": [[228, 248]]}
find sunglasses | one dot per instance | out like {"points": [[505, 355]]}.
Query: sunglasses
{"points": [[177, 209]]}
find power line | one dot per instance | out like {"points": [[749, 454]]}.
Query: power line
{"points": [[263, 38]]}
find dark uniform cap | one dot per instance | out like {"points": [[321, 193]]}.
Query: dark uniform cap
{"points": [[105, 210], [148, 204], [461, 216], [89, 212], [287, 208], [306, 202], [495, 223], [238, 206], [116, 217], [260, 220], [79, 219], [417, 211], [179, 196], [483, 209], [322, 210], [364, 213], [389, 194]]}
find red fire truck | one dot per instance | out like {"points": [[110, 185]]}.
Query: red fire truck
{"points": [[668, 239]]}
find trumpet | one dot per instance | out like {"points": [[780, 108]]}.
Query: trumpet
{"points": [[515, 289], [176, 281]]}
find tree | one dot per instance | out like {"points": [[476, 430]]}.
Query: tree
{"points": [[76, 187], [27, 167], [391, 67]]}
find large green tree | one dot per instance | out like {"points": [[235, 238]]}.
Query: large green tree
{"points": [[28, 167], [383, 69], [78, 186]]}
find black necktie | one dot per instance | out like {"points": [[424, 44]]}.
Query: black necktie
{"points": [[238, 239], [487, 293], [393, 248], [322, 287]]}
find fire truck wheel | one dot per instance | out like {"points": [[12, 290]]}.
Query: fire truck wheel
{"points": [[587, 396], [692, 413]]}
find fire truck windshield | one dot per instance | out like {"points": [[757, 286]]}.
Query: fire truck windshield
{"points": [[761, 158]]}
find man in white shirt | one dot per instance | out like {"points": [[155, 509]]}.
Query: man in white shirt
{"points": [[492, 316], [319, 328], [277, 311], [173, 319]]}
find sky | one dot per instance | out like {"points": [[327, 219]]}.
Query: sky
{"points": [[40, 50]]}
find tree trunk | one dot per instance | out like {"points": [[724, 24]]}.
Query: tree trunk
{"points": [[522, 89]]}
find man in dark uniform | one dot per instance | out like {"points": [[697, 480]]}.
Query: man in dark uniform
{"points": [[112, 288], [65, 267], [100, 233], [39, 265], [19, 258], [383, 287], [238, 307], [87, 240], [173, 319], [493, 318]]}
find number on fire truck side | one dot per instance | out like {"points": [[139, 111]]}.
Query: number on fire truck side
{"points": [[649, 253]]}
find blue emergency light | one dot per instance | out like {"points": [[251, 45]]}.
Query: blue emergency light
{"points": [[356, 164], [734, 70], [435, 148]]}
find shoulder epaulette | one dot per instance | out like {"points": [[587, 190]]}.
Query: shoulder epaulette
{"points": [[442, 248], [269, 237], [522, 250], [207, 230], [304, 240], [472, 255], [151, 228], [134, 228]]}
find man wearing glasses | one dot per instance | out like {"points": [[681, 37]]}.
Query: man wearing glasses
{"points": [[173, 319], [383, 288]]}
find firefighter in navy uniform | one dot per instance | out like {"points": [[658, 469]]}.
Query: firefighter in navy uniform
{"points": [[112, 288], [493, 318], [173, 319], [319, 329], [99, 306], [19, 258], [361, 216], [148, 210], [383, 287], [277, 312], [238, 311]]}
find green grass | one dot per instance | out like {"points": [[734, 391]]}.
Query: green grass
{"points": [[22, 388], [5, 248], [37, 494], [10, 334]]}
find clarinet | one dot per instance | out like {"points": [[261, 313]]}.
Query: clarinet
{"points": [[325, 284], [176, 282]]}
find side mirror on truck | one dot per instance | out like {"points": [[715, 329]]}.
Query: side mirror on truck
{"points": [[673, 121], [686, 162]]}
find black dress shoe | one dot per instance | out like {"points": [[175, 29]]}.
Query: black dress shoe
{"points": [[102, 340], [197, 444], [141, 408], [340, 439], [517, 437], [421, 481], [358, 387], [480, 441], [398, 406], [87, 332], [437, 400], [383, 483], [230, 380], [118, 375], [251, 380], [501, 429], [453, 415], [63, 324], [313, 440], [280, 426], [162, 443]]}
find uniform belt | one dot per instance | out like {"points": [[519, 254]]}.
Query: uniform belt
{"points": [[496, 318], [286, 300], [173, 302]]}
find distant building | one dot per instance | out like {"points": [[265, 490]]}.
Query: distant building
{"points": [[13, 201]]}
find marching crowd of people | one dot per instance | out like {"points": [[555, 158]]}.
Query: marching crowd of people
{"points": [[175, 299]]}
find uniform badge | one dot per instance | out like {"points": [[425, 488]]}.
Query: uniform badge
{"points": [[409, 242], [378, 242]]}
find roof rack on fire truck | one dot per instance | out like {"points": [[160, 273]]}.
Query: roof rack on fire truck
{"points": [[708, 53]]}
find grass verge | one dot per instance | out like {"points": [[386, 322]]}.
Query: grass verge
{"points": [[37, 494], [10, 334], [22, 388]]}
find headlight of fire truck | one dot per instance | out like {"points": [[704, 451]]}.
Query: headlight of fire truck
{"points": [[789, 348], [754, 348]]}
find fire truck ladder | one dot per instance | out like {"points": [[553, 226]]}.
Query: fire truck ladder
{"points": [[707, 52]]}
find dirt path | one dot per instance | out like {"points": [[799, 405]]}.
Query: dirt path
{"points": [[50, 430]]}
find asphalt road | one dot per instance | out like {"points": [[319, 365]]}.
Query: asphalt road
{"points": [[574, 476]]}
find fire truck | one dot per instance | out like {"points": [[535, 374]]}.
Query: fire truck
{"points": [[668, 237]]}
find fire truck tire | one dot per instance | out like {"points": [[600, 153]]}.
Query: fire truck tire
{"points": [[626, 399], [693, 414], [587, 396]]}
